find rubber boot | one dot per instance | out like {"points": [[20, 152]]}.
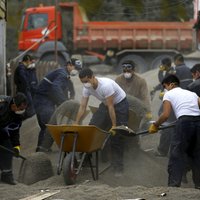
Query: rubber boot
{"points": [[7, 177]]}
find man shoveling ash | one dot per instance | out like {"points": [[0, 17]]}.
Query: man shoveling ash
{"points": [[185, 141], [113, 111]]}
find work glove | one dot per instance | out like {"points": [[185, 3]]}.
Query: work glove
{"points": [[161, 95], [112, 131], [148, 115], [16, 149], [153, 128], [162, 68]]}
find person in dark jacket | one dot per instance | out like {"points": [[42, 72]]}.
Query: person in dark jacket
{"points": [[195, 85], [26, 82], [11, 110], [52, 91], [182, 71]]}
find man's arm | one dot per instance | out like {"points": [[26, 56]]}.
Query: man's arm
{"points": [[111, 109], [199, 102], [165, 114], [82, 108]]}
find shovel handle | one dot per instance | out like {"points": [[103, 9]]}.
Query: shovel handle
{"points": [[160, 128], [9, 150]]}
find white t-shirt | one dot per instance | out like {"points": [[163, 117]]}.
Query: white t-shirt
{"points": [[106, 87], [184, 102]]}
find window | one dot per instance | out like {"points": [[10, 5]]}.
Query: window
{"points": [[36, 21]]}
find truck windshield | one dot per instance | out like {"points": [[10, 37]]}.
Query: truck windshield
{"points": [[36, 21]]}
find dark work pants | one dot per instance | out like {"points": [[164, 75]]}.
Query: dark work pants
{"points": [[185, 144], [44, 110], [165, 140], [5, 156], [166, 134], [101, 119]]}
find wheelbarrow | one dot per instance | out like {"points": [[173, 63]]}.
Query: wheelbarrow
{"points": [[73, 139]]}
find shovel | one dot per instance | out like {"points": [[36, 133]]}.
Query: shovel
{"points": [[14, 153], [126, 131]]}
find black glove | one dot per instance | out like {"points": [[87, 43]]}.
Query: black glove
{"points": [[16, 149]]}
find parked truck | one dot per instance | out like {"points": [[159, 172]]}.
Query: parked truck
{"points": [[43, 31]]}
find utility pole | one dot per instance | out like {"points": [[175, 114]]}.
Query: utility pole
{"points": [[56, 49]]}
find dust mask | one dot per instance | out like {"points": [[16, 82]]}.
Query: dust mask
{"points": [[31, 66], [87, 85], [20, 112], [127, 75], [74, 72]]}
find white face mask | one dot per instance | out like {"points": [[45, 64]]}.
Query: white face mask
{"points": [[20, 112], [31, 66], [127, 75], [74, 72], [87, 85]]}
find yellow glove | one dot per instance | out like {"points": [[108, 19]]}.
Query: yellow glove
{"points": [[162, 68], [148, 116], [161, 95], [153, 128], [112, 131], [16, 149]]}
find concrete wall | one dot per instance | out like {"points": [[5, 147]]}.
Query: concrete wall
{"points": [[2, 56]]}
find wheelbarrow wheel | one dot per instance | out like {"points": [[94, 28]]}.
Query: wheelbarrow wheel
{"points": [[69, 173]]}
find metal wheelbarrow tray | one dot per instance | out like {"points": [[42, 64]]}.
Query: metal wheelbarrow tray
{"points": [[86, 139]]}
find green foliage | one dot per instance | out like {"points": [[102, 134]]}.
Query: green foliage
{"points": [[91, 7], [137, 5], [175, 9]]}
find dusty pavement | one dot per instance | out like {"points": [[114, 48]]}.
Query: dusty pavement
{"points": [[145, 175]]}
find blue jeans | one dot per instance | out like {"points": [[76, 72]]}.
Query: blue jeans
{"points": [[185, 144]]}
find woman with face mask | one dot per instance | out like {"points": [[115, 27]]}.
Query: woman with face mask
{"points": [[11, 115]]}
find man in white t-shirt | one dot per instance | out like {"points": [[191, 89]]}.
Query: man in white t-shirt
{"points": [[185, 140], [112, 112]]}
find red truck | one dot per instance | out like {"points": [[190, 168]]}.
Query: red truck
{"points": [[144, 42]]}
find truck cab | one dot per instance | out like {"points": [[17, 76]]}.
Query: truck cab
{"points": [[37, 31]]}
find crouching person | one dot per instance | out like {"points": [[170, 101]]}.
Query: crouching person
{"points": [[11, 110]]}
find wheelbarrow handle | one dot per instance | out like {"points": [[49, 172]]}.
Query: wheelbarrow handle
{"points": [[9, 150], [160, 128]]}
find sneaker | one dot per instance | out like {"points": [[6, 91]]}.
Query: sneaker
{"points": [[7, 177]]}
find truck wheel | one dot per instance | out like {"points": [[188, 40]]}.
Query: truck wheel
{"points": [[51, 57], [141, 65], [69, 174], [157, 61]]}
